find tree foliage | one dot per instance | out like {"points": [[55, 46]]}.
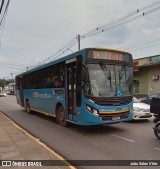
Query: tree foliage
{"points": [[4, 82]]}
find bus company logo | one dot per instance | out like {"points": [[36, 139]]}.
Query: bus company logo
{"points": [[42, 95], [6, 163], [35, 94]]}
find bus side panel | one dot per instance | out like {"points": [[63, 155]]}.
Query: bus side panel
{"points": [[44, 100]]}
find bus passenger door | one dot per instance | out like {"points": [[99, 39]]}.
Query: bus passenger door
{"points": [[71, 91]]}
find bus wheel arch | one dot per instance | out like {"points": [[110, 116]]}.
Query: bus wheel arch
{"points": [[60, 115]]}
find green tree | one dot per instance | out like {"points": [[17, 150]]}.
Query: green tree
{"points": [[4, 82]]}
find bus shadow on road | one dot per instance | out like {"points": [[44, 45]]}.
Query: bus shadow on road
{"points": [[95, 130], [42, 116], [140, 121], [83, 130]]}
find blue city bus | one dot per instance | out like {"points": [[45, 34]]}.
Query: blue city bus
{"points": [[89, 87]]}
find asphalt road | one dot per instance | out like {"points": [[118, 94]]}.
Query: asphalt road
{"points": [[122, 141]]}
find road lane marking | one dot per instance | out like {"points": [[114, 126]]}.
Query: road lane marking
{"points": [[122, 138], [40, 142], [157, 148]]}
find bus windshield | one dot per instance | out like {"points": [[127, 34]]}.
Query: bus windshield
{"points": [[107, 80]]}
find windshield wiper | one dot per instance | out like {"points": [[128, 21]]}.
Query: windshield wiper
{"points": [[106, 71]]}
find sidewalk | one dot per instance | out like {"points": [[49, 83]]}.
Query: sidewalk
{"points": [[17, 144]]}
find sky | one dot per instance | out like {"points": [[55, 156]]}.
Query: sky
{"points": [[35, 30]]}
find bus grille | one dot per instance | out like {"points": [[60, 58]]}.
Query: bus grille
{"points": [[114, 101], [109, 117]]}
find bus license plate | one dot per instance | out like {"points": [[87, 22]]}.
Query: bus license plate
{"points": [[116, 118]]}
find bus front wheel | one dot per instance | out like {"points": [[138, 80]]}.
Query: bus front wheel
{"points": [[61, 118]]}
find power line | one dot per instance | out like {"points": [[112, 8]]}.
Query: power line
{"points": [[146, 10], [128, 18], [5, 12], [139, 48], [2, 22], [140, 43], [14, 64], [10, 67], [64, 51], [16, 73], [60, 51], [124, 20], [1, 6], [121, 19]]}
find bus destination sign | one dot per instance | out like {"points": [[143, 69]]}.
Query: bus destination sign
{"points": [[107, 55]]}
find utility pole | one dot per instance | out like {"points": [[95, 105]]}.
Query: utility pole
{"points": [[12, 81], [78, 37], [3, 83]]}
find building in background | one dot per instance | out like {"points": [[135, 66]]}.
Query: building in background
{"points": [[146, 75]]}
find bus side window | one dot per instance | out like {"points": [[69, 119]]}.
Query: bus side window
{"points": [[58, 83]]}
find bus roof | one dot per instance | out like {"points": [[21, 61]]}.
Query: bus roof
{"points": [[70, 56], [111, 49]]}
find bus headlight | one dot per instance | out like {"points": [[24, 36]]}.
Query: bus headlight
{"points": [[92, 110]]}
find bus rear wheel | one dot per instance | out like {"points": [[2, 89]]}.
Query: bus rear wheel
{"points": [[61, 118], [28, 110]]}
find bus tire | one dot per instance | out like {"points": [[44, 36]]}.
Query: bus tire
{"points": [[28, 110], [61, 117]]}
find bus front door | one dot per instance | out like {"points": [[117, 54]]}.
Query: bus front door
{"points": [[71, 91]]}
